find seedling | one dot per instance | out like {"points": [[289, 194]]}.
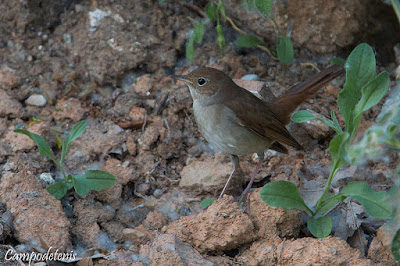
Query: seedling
{"points": [[90, 180], [216, 11], [362, 90]]}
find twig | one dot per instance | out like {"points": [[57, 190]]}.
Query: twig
{"points": [[145, 122], [168, 129], [311, 65], [280, 253]]}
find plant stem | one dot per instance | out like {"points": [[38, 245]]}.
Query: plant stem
{"points": [[61, 168], [309, 210], [332, 174]]}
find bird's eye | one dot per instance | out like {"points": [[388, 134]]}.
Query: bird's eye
{"points": [[201, 81]]}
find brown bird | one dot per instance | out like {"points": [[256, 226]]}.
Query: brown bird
{"points": [[236, 122]]}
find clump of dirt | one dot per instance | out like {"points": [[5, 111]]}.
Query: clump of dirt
{"points": [[107, 62]]}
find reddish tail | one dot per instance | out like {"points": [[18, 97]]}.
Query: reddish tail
{"points": [[286, 103]]}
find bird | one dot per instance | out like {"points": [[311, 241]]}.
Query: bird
{"points": [[236, 122]]}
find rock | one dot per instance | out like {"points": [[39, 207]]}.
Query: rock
{"points": [[137, 115], [223, 226], [123, 175], [158, 192], [114, 229], [131, 145], [332, 91], [380, 249], [69, 109], [36, 100], [303, 251], [149, 137], [39, 220], [167, 249], [89, 214], [47, 178], [317, 129], [143, 188], [144, 84], [135, 236], [250, 85], [155, 220], [9, 106], [3, 125], [8, 78], [250, 77], [109, 135], [209, 175], [272, 221]]}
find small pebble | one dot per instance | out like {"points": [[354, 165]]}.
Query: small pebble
{"points": [[36, 100], [250, 77], [67, 37], [46, 177], [158, 193]]}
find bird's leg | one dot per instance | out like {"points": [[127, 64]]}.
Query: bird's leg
{"points": [[247, 190], [235, 162]]}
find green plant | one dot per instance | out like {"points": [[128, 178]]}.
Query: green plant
{"points": [[284, 49], [375, 145], [207, 202], [362, 90], [90, 180]]}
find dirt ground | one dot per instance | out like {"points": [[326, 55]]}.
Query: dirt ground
{"points": [[108, 62]]}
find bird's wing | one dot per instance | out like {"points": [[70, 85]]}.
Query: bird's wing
{"points": [[255, 114]]}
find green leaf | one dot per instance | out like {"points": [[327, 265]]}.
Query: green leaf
{"points": [[58, 190], [76, 131], [338, 61], [337, 149], [207, 202], [283, 194], [198, 31], [211, 10], [285, 50], [302, 116], [80, 184], [264, 6], [336, 122], [249, 4], [396, 246], [43, 145], [372, 201], [320, 227], [93, 180], [328, 202], [248, 41], [220, 38], [373, 92], [221, 9], [59, 142], [190, 49], [99, 179], [360, 69]]}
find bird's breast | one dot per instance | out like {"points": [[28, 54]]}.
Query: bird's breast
{"points": [[218, 125]]}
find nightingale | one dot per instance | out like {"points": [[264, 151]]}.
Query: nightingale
{"points": [[236, 122]]}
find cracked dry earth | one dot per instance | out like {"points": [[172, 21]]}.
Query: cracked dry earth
{"points": [[108, 62]]}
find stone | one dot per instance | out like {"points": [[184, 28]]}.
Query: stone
{"points": [[36, 100], [209, 175]]}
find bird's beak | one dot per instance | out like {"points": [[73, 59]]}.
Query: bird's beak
{"points": [[182, 78]]}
